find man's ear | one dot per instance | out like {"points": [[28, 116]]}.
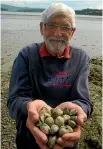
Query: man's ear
{"points": [[41, 28], [72, 32]]}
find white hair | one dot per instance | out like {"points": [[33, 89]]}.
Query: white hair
{"points": [[56, 9]]}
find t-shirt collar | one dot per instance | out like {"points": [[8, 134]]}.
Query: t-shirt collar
{"points": [[43, 52]]}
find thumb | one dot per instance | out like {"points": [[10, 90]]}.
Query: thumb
{"points": [[35, 116], [81, 119], [32, 111]]}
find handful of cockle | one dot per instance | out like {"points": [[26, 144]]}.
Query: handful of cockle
{"points": [[56, 122]]}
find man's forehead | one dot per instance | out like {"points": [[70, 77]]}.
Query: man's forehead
{"points": [[58, 9], [60, 18]]}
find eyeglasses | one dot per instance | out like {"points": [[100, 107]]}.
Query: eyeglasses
{"points": [[52, 28]]}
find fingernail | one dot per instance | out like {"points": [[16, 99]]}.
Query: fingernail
{"points": [[45, 139], [81, 121]]}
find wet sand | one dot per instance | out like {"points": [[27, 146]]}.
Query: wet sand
{"points": [[21, 29]]}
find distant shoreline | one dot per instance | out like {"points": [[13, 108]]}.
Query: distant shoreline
{"points": [[20, 13], [39, 14], [10, 8]]}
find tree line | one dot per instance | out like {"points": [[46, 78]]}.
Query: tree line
{"points": [[87, 11]]}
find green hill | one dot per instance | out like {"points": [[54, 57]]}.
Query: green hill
{"points": [[30, 10], [27, 9], [9, 7], [89, 12]]}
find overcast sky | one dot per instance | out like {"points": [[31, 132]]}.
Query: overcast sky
{"points": [[75, 4]]}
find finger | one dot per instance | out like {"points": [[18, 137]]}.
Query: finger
{"points": [[73, 136], [68, 144], [57, 147], [35, 131], [39, 134], [60, 141], [69, 105], [29, 124], [63, 143], [82, 117], [41, 144]]}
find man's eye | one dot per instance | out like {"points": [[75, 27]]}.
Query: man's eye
{"points": [[51, 26], [65, 28]]}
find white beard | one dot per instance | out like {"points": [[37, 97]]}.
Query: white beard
{"points": [[56, 45]]}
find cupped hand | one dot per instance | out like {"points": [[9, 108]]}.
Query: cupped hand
{"points": [[70, 139], [82, 117], [33, 108]]}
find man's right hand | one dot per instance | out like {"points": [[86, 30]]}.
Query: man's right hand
{"points": [[33, 108]]}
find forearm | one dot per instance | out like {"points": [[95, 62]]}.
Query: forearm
{"points": [[80, 90], [20, 89], [18, 106], [85, 105]]}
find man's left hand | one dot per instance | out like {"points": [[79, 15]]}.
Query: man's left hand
{"points": [[70, 139], [82, 117]]}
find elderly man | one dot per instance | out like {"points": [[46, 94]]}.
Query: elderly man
{"points": [[49, 74]]}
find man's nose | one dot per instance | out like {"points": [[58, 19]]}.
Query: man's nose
{"points": [[57, 32]]}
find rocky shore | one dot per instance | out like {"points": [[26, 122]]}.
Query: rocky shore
{"points": [[92, 129]]}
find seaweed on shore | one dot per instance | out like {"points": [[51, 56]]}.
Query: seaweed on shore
{"points": [[95, 75], [91, 134]]}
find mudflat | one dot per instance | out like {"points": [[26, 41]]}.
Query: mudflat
{"points": [[21, 29]]}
